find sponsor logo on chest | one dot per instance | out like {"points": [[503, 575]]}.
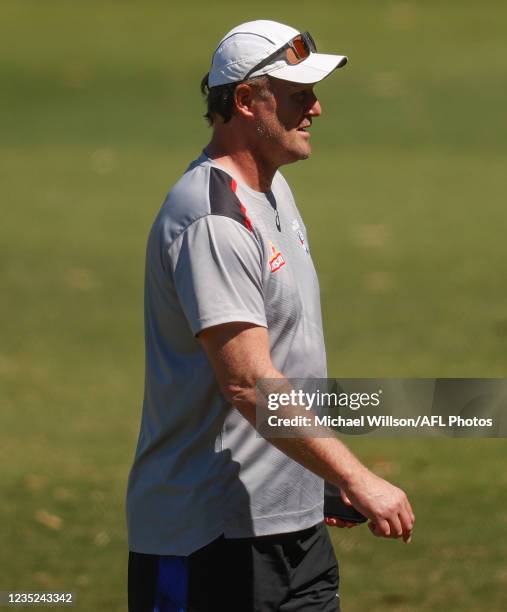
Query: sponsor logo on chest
{"points": [[276, 260]]}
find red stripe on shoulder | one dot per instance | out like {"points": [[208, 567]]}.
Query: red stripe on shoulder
{"points": [[248, 223]]}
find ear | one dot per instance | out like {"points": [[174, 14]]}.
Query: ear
{"points": [[244, 95]]}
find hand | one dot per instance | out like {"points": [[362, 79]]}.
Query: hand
{"points": [[386, 506]]}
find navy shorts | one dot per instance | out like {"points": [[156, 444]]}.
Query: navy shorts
{"points": [[291, 572]]}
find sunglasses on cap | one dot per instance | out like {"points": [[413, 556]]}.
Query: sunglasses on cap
{"points": [[293, 52]]}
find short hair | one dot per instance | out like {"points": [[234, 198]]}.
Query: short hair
{"points": [[220, 99]]}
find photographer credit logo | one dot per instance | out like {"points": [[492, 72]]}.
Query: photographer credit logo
{"points": [[399, 407], [353, 401]]}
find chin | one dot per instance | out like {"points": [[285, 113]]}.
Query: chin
{"points": [[305, 153], [293, 151], [301, 150], [298, 155]]}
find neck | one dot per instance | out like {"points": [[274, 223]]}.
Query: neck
{"points": [[242, 160]]}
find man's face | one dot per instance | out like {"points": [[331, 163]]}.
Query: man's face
{"points": [[283, 117]]}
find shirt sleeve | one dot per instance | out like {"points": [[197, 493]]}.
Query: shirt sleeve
{"points": [[217, 271]]}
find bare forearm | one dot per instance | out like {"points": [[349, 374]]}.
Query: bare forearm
{"points": [[321, 453], [327, 457], [384, 504]]}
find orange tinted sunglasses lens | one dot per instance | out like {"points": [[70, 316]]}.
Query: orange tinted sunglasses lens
{"points": [[298, 51], [301, 48]]}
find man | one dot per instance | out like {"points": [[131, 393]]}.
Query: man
{"points": [[220, 518]]}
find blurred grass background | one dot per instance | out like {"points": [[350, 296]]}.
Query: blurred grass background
{"points": [[404, 199]]}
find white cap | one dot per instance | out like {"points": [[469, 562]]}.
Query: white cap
{"points": [[249, 43]]}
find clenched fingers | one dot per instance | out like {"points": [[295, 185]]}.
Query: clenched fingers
{"points": [[407, 519], [380, 528]]}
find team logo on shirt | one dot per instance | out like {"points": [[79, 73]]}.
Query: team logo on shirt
{"points": [[301, 237], [277, 260]]}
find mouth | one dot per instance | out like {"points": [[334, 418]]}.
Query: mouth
{"points": [[304, 128]]}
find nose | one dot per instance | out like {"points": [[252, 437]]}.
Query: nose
{"points": [[314, 107]]}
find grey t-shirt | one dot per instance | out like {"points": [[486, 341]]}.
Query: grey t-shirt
{"points": [[218, 252]]}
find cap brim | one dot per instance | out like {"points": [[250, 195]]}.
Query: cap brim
{"points": [[314, 68]]}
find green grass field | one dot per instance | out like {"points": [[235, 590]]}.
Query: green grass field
{"points": [[404, 199]]}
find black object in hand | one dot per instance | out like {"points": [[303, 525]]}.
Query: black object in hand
{"points": [[335, 507]]}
